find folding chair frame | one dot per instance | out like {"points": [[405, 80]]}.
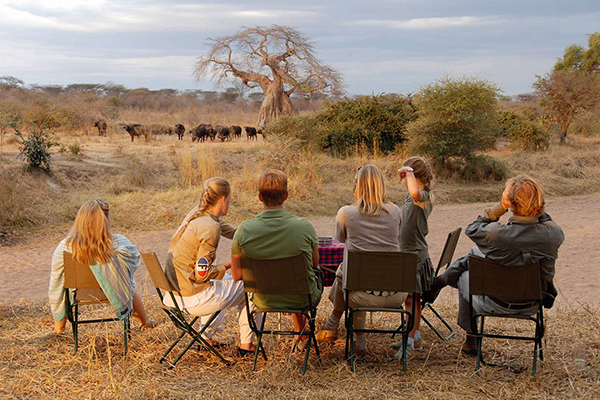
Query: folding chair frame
{"points": [[445, 260], [178, 318], [310, 313], [72, 284], [478, 328], [407, 318]]}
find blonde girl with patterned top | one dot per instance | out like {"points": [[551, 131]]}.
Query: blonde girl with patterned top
{"points": [[112, 258]]}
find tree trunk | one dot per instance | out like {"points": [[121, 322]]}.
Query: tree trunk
{"points": [[276, 104]]}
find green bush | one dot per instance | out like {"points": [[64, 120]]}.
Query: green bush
{"points": [[523, 134], [457, 118], [475, 168], [36, 149], [375, 123]]}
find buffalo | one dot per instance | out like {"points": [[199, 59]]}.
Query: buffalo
{"points": [[137, 130], [223, 133], [101, 125], [179, 130], [236, 131], [250, 133], [202, 132]]}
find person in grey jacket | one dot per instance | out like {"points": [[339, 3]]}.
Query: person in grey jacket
{"points": [[530, 236]]}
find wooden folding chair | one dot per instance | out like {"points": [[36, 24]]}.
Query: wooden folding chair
{"points": [[513, 285], [379, 271], [175, 313], [82, 289], [445, 260], [284, 276]]}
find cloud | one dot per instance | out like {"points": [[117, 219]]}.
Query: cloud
{"points": [[140, 17], [430, 23]]}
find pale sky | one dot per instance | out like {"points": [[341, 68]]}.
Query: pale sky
{"points": [[392, 46]]}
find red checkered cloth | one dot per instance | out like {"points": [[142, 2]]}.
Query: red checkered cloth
{"points": [[330, 257]]}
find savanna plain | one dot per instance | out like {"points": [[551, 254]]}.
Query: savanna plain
{"points": [[151, 186]]}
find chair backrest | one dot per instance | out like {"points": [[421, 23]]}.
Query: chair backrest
{"points": [[156, 272], [286, 276], [449, 248], [511, 284], [381, 271], [79, 276]]}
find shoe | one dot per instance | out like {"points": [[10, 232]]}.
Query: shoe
{"points": [[244, 353], [397, 345], [215, 345], [326, 336], [301, 344], [430, 295], [469, 347], [410, 348]]}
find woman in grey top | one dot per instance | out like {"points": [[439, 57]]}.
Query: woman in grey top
{"points": [[417, 175], [370, 224]]}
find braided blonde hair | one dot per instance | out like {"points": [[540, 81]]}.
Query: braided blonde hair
{"points": [[213, 190]]}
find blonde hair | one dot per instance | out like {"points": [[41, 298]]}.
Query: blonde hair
{"points": [[272, 186], [90, 238], [369, 194], [213, 190], [526, 196], [421, 169]]}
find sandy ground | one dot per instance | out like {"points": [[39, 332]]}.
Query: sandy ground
{"points": [[25, 267]]}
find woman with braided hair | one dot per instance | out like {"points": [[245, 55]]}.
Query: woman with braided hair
{"points": [[206, 287]]}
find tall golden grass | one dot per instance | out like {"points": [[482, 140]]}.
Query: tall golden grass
{"points": [[34, 363], [151, 185]]}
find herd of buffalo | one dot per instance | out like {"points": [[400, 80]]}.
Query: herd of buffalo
{"points": [[200, 133]]}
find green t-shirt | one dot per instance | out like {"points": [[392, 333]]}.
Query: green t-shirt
{"points": [[276, 234]]}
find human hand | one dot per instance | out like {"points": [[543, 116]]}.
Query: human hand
{"points": [[227, 265], [505, 199], [404, 170]]}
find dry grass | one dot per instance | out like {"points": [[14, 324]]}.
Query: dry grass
{"points": [[35, 364], [151, 185]]}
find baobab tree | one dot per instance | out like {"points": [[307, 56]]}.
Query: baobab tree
{"points": [[278, 59]]}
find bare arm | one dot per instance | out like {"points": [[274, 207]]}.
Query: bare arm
{"points": [[411, 183], [236, 267]]}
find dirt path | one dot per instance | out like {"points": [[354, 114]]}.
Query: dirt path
{"points": [[25, 268]]}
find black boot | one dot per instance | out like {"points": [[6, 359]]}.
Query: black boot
{"points": [[430, 295]]}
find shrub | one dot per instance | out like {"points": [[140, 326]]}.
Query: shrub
{"points": [[376, 123], [457, 118], [523, 134], [36, 149]]}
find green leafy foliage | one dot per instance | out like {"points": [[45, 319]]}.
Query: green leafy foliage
{"points": [[457, 118], [523, 134], [374, 123], [36, 149]]}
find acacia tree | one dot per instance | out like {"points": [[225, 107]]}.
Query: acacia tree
{"points": [[278, 59], [564, 94]]}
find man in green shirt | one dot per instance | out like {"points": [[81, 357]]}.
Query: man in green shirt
{"points": [[273, 234]]}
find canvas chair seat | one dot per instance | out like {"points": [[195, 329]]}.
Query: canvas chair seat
{"points": [[285, 276], [521, 285], [82, 289], [379, 271], [177, 315]]}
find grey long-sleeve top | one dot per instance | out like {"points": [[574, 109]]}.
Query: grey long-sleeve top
{"points": [[522, 241]]}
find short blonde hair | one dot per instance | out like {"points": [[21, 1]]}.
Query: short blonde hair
{"points": [[90, 237], [272, 186], [526, 196], [369, 194]]}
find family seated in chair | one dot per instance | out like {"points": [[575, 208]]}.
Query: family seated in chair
{"points": [[276, 233], [530, 236], [371, 223], [113, 258]]}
